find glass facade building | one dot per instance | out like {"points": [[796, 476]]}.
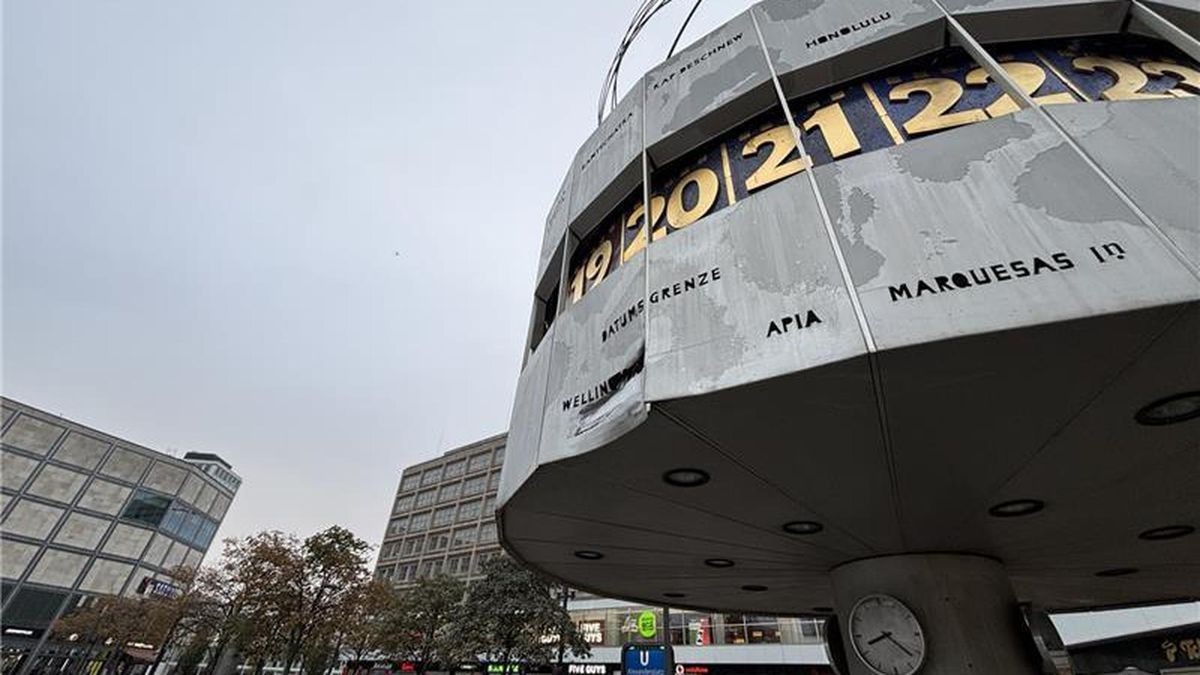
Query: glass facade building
{"points": [[86, 514]]}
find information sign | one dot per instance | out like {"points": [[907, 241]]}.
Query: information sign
{"points": [[647, 660]]}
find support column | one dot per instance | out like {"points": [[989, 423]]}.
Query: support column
{"points": [[964, 604]]}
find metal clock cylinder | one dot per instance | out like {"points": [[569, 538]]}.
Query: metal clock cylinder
{"points": [[967, 613]]}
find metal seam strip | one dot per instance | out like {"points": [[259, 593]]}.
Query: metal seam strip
{"points": [[1062, 76], [999, 75], [648, 216], [980, 55], [1165, 29], [873, 365], [1116, 375], [734, 459], [825, 220]]}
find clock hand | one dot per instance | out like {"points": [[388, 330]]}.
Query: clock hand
{"points": [[897, 643], [882, 636]]}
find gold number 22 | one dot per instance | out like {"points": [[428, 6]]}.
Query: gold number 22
{"points": [[1027, 76], [943, 94]]}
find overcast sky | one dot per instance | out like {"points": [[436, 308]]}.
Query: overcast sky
{"points": [[302, 235]]}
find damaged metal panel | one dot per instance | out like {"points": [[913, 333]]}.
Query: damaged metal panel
{"points": [[1005, 20], [704, 89], [525, 426], [608, 165], [815, 44], [988, 227], [1151, 150], [751, 293], [596, 387]]}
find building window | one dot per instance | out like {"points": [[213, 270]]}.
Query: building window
{"points": [[489, 506], [431, 476], [406, 572], [459, 566], [437, 542], [468, 511], [487, 534], [33, 607], [762, 629], [425, 498], [479, 462], [398, 526], [419, 522], [410, 481], [204, 535], [147, 507], [443, 516], [480, 558], [449, 492], [498, 456], [455, 469], [403, 504], [473, 486], [464, 536], [494, 481], [431, 568], [412, 546], [181, 522]]}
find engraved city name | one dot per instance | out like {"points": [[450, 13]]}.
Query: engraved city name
{"points": [[983, 275], [847, 30], [670, 291]]}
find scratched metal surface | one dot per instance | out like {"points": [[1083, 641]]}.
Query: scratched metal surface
{"points": [[1010, 189], [525, 425], [1126, 137], [608, 165], [774, 261], [556, 227], [870, 35], [717, 82]]}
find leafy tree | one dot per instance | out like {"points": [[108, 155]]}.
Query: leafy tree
{"points": [[333, 567], [512, 616], [364, 621], [194, 650], [269, 596], [218, 618], [108, 623], [266, 572], [423, 627]]}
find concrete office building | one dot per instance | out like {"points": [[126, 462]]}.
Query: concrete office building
{"points": [[86, 514], [880, 311], [442, 521], [442, 518]]}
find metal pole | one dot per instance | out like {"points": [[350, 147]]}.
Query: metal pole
{"points": [[666, 635]]}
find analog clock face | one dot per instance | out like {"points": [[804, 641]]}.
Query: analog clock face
{"points": [[886, 635]]}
